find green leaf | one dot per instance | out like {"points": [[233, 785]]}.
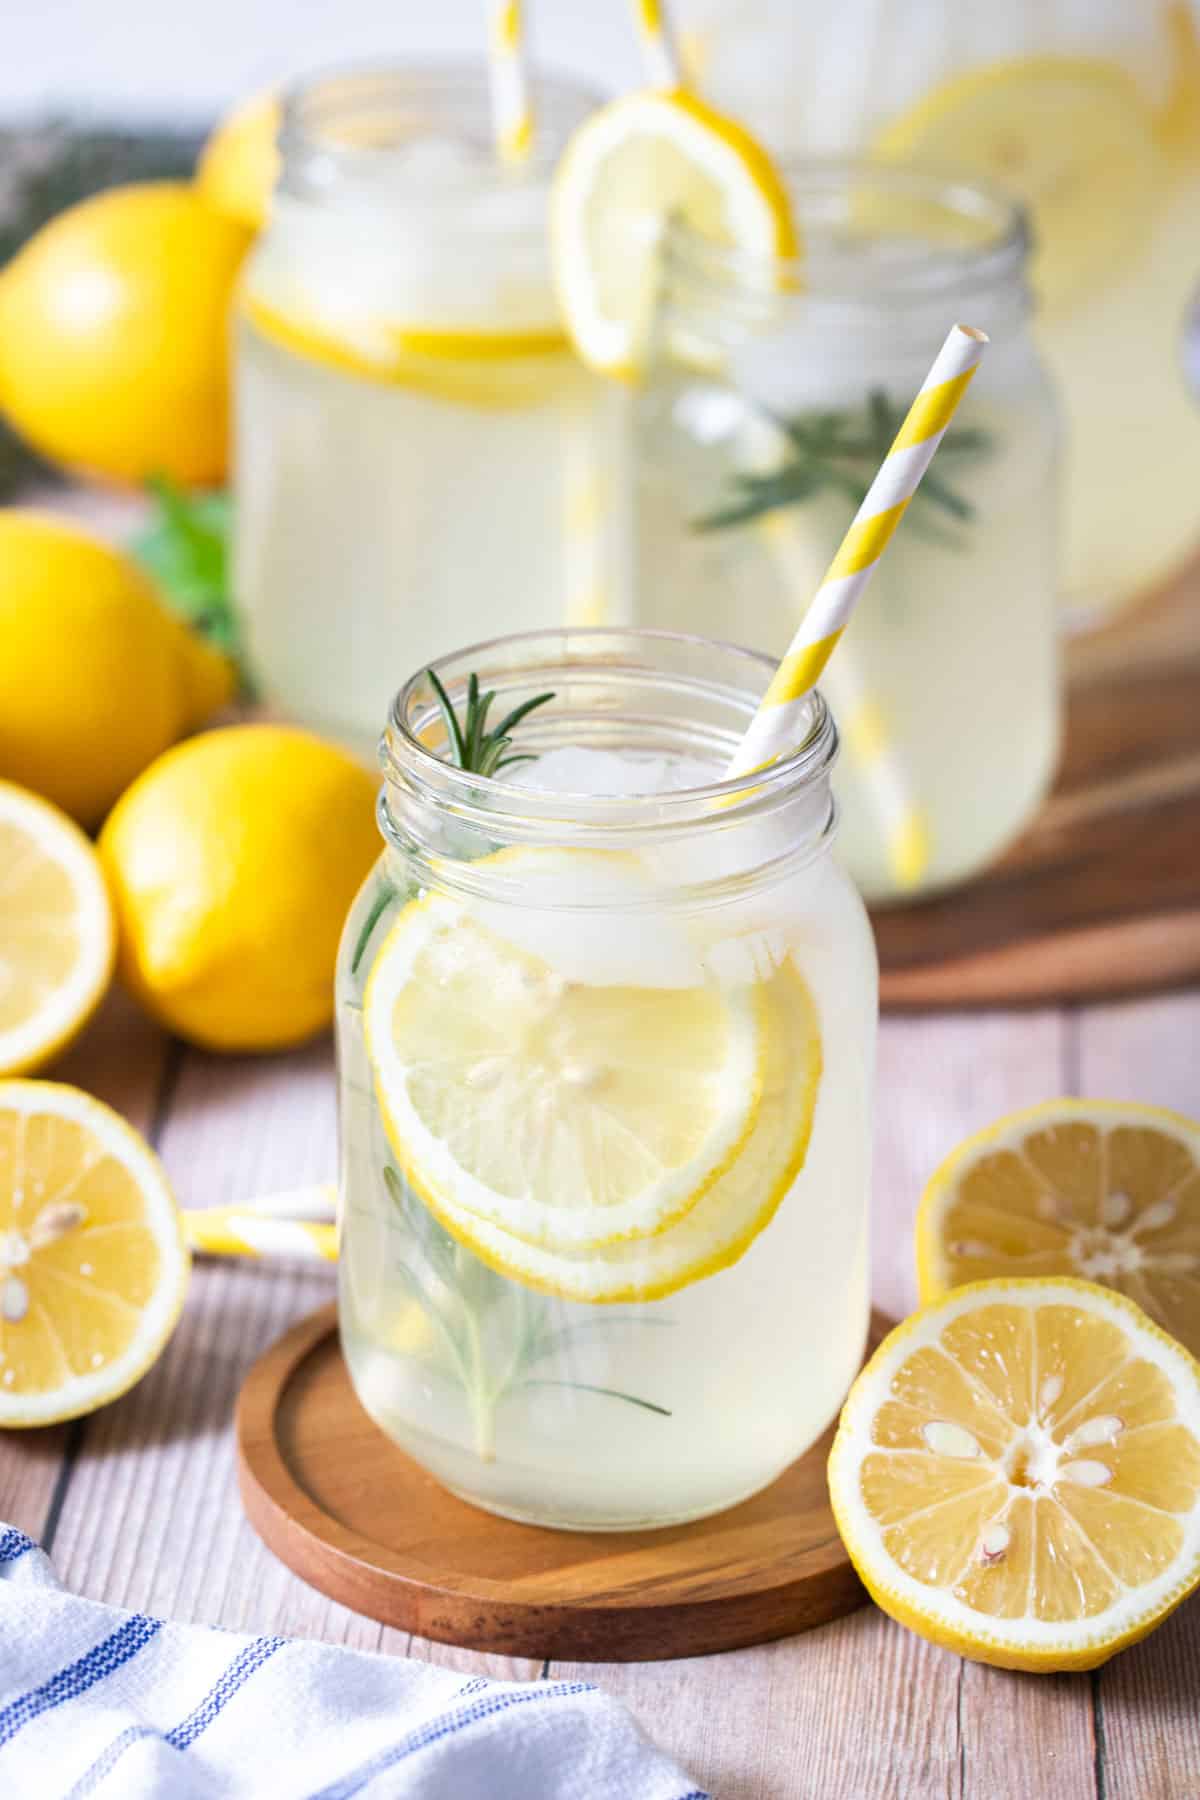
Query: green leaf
{"points": [[185, 549]]}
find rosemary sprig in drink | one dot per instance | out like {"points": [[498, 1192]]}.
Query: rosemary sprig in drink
{"points": [[839, 452], [472, 747], [475, 748]]}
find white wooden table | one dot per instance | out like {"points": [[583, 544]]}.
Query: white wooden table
{"points": [[139, 1504]]}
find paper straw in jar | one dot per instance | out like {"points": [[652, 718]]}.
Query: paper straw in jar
{"points": [[283, 1227], [861, 717], [775, 726], [660, 54], [512, 108]]}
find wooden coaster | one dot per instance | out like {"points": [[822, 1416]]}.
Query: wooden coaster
{"points": [[351, 1514], [1102, 893]]}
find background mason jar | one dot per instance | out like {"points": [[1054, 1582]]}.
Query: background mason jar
{"points": [[419, 455], [1090, 110], [774, 393], [639, 1411]]}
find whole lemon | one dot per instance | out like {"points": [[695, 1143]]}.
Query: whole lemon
{"points": [[233, 861], [239, 164], [96, 676], [114, 334]]}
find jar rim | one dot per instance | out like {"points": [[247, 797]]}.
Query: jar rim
{"points": [[420, 90], [590, 655], [816, 185]]}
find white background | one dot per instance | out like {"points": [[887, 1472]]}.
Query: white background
{"points": [[183, 60]]}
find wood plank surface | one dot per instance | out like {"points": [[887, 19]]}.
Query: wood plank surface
{"points": [[144, 1508]]}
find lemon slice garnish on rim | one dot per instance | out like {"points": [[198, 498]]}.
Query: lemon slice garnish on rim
{"points": [[57, 938], [632, 166], [93, 1266], [1072, 137], [1016, 1474], [726, 1220], [567, 1114], [1106, 1190]]}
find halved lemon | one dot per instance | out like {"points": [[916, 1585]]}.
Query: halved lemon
{"points": [[566, 1114], [1016, 1474], [725, 1221], [93, 1266], [57, 938], [633, 166], [1070, 136], [485, 370], [1106, 1190]]}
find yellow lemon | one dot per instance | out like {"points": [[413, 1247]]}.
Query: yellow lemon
{"points": [[56, 930], [233, 861], [1016, 1473], [239, 164], [114, 329], [93, 1266], [1105, 1189], [96, 676]]}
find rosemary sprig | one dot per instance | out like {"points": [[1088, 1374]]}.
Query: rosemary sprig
{"points": [[839, 452], [475, 748]]}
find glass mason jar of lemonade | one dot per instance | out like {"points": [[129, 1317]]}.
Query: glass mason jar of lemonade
{"points": [[606, 1038], [775, 392], [420, 458], [1090, 113]]}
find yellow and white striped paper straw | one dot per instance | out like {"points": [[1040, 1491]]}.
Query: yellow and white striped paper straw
{"points": [[284, 1227], [512, 108], [861, 718], [660, 52], [775, 726]]}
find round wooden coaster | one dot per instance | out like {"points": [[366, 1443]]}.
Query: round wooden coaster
{"points": [[350, 1513]]}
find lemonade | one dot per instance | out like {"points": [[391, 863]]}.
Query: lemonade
{"points": [[775, 393], [605, 1045], [1091, 115], [420, 457]]}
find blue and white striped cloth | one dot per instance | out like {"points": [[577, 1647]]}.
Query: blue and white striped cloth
{"points": [[98, 1701]]}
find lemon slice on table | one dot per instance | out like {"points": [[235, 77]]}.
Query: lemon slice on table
{"points": [[486, 371], [93, 1266], [1106, 1190], [726, 1220], [632, 166], [1072, 137], [57, 939], [1016, 1474], [568, 1114]]}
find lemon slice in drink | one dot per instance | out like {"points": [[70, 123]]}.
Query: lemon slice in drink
{"points": [[632, 166], [92, 1261], [1016, 1474], [1070, 136], [1100, 1189], [725, 1221], [56, 930], [484, 370], [568, 1114]]}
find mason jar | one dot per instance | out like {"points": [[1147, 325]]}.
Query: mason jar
{"points": [[419, 454], [1089, 112], [774, 393], [605, 1037]]}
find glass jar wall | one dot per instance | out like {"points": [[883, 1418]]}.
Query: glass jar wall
{"points": [[774, 393], [1090, 113], [606, 1037], [419, 456]]}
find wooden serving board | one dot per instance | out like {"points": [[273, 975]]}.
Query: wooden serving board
{"points": [[350, 1513], [1102, 894]]}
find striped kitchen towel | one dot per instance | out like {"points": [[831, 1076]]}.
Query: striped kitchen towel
{"points": [[126, 1707]]}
